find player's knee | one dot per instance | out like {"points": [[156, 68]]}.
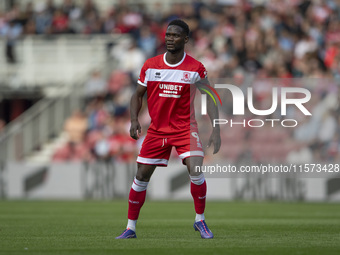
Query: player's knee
{"points": [[143, 178], [144, 173]]}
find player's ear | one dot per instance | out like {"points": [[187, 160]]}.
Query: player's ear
{"points": [[186, 39]]}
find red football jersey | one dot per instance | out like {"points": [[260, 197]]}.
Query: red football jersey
{"points": [[171, 93]]}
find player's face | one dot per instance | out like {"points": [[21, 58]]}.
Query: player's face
{"points": [[175, 39]]}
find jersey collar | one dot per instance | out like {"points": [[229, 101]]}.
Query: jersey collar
{"points": [[174, 65]]}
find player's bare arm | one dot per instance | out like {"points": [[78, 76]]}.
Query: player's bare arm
{"points": [[215, 137], [212, 110], [135, 106]]}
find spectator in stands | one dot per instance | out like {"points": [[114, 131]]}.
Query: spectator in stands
{"points": [[12, 32], [97, 114], [26, 15], [76, 126], [118, 79], [90, 7], [76, 20], [102, 148], [50, 7], [93, 24], [14, 13], [109, 21], [60, 23], [132, 59], [120, 102], [67, 6], [72, 152], [147, 41], [121, 144], [95, 87], [43, 20], [92, 20], [75, 149]]}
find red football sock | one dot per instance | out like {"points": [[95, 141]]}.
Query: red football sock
{"points": [[136, 198], [199, 193], [136, 201]]}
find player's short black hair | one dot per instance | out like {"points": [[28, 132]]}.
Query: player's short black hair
{"points": [[182, 24]]}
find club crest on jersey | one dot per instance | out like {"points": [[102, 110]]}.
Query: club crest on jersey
{"points": [[186, 77]]}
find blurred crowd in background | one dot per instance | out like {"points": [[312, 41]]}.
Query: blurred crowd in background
{"points": [[245, 42]]}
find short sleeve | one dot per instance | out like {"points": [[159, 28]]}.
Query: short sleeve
{"points": [[202, 73], [142, 79]]}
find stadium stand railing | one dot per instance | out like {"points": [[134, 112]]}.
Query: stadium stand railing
{"points": [[62, 87], [37, 125]]}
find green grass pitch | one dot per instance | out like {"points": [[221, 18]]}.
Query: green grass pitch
{"points": [[89, 227]]}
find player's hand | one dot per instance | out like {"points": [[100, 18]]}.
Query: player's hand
{"points": [[215, 139], [135, 129]]}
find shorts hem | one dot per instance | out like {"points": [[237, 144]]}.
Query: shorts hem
{"points": [[152, 161], [197, 153], [150, 164]]}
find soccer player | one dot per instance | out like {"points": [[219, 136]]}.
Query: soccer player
{"points": [[168, 81]]}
